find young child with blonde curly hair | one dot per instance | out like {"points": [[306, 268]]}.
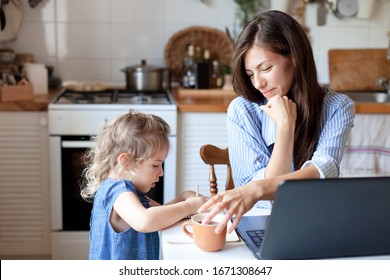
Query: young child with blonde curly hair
{"points": [[123, 165]]}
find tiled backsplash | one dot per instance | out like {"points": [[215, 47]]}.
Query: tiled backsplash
{"points": [[94, 39]]}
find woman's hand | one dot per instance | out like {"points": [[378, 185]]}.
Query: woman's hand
{"points": [[281, 110], [237, 202]]}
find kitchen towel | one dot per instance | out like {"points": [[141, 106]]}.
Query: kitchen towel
{"points": [[368, 151]]}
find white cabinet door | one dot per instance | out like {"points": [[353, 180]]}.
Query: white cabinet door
{"points": [[195, 130], [24, 184]]}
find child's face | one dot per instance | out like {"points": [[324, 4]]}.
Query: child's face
{"points": [[149, 172]]}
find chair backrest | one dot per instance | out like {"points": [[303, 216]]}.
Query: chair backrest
{"points": [[212, 155]]}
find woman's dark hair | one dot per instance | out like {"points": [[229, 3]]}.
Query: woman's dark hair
{"points": [[282, 34]]}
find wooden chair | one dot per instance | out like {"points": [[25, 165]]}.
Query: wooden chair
{"points": [[212, 155]]}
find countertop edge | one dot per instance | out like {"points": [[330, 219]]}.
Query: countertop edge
{"points": [[189, 104]]}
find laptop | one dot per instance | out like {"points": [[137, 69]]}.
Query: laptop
{"points": [[327, 218]]}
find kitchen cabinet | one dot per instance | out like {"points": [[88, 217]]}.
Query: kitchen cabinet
{"points": [[24, 185], [195, 130]]}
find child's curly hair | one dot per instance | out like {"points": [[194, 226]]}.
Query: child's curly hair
{"points": [[139, 135]]}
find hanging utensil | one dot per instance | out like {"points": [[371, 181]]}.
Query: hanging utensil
{"points": [[2, 17], [11, 16], [322, 12]]}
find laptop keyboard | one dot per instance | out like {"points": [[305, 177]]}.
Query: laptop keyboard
{"points": [[256, 236]]}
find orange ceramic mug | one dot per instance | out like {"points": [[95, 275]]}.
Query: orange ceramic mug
{"points": [[204, 235]]}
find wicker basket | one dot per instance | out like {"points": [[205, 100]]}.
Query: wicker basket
{"points": [[220, 46]]}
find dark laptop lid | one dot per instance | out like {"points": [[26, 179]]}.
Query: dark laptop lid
{"points": [[249, 224], [329, 218]]}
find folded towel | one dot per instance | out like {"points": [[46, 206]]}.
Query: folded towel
{"points": [[368, 150]]}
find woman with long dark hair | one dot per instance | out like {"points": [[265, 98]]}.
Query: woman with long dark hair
{"points": [[283, 124]]}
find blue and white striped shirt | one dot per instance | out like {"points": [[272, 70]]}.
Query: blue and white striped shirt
{"points": [[251, 135]]}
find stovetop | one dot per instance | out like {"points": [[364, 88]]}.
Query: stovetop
{"points": [[114, 96], [84, 112]]}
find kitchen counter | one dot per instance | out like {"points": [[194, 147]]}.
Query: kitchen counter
{"points": [[203, 100], [372, 108], [218, 100], [39, 103], [188, 100]]}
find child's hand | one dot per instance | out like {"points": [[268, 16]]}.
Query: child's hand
{"points": [[187, 194], [195, 202], [183, 197]]}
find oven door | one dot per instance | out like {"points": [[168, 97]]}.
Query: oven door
{"points": [[70, 212]]}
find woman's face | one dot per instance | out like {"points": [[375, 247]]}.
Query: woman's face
{"points": [[269, 72]]}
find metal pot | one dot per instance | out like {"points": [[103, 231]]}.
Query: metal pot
{"points": [[144, 77]]}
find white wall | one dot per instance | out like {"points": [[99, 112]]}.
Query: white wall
{"points": [[94, 39]]}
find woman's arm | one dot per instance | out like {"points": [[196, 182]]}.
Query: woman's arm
{"points": [[337, 121], [283, 113], [240, 200]]}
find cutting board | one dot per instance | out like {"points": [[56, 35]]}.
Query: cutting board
{"points": [[357, 69]]}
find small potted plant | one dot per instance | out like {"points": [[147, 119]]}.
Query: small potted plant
{"points": [[247, 9]]}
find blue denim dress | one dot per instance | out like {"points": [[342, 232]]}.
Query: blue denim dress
{"points": [[105, 243]]}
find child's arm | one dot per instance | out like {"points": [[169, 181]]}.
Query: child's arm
{"points": [[142, 219], [183, 196]]}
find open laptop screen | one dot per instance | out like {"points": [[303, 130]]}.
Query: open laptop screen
{"points": [[326, 219]]}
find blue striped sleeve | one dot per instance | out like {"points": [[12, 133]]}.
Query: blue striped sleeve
{"points": [[338, 115], [251, 133]]}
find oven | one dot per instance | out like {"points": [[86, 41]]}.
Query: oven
{"points": [[73, 118]]}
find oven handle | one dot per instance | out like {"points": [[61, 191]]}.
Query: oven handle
{"points": [[77, 144]]}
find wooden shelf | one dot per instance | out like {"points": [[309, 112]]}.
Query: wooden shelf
{"points": [[205, 93]]}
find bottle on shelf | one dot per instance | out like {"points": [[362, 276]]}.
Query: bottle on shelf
{"points": [[198, 54], [217, 78], [206, 56], [202, 69], [207, 60], [189, 69]]}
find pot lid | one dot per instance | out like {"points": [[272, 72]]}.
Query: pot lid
{"points": [[143, 67]]}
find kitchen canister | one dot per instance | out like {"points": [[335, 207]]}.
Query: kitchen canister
{"points": [[36, 73], [365, 8]]}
